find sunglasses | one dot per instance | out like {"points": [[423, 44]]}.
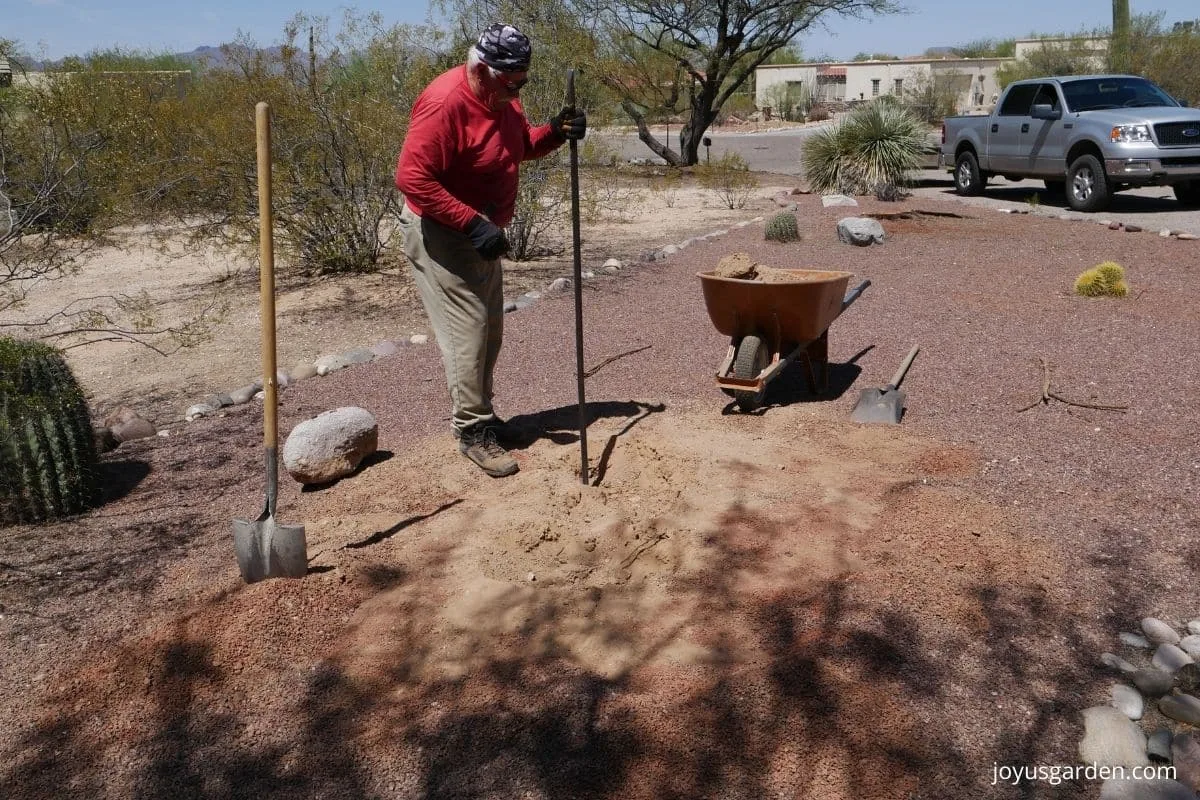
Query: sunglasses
{"points": [[512, 86]]}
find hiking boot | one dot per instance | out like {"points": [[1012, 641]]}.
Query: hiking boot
{"points": [[481, 447], [507, 434]]}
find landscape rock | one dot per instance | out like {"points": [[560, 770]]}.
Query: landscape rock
{"points": [[243, 394], [330, 445], [136, 428], [385, 348], [119, 415], [1154, 789], [105, 441], [1188, 237], [302, 372], [196, 411], [1185, 755], [1182, 707], [1170, 658], [360, 355], [612, 263], [1114, 226], [1187, 679], [1127, 700], [1152, 682], [1190, 644], [332, 363], [1194, 626], [1111, 739], [1158, 746], [1117, 663], [559, 285], [1133, 228], [832, 200], [419, 338], [510, 306], [1159, 632], [860, 231], [1136, 640]]}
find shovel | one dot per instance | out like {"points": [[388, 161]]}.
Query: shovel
{"points": [[886, 404], [266, 548]]}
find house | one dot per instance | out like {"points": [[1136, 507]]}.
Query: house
{"points": [[5, 72]]}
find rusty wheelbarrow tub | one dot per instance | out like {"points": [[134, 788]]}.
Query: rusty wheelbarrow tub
{"points": [[769, 325]]}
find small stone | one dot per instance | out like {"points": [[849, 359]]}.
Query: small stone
{"points": [[242, 394], [831, 200], [1165, 233], [1111, 739], [1141, 789], [670, 250], [1135, 640], [531, 577], [1117, 663], [648, 255], [1159, 632], [1194, 626], [1114, 226], [560, 285], [587, 274], [612, 262], [1152, 682], [385, 348], [1127, 700], [1158, 746], [1187, 237], [1170, 658], [136, 428], [510, 306], [1185, 755], [214, 400], [359, 355], [302, 372], [611, 270], [329, 364], [1190, 644], [1133, 228], [419, 338], [1182, 707], [199, 410]]}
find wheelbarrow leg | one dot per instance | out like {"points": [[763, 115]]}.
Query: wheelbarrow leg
{"points": [[816, 357]]}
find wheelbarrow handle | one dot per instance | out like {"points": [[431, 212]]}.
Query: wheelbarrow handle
{"points": [[854, 294]]}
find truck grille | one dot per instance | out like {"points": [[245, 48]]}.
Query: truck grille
{"points": [[1184, 161], [1175, 134]]}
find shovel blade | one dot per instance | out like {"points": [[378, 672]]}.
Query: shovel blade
{"points": [[267, 549], [879, 405]]}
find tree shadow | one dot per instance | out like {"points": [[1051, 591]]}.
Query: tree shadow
{"points": [[119, 478], [561, 425]]}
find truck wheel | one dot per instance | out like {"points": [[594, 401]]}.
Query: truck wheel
{"points": [[968, 180], [1188, 193], [1056, 188], [1087, 185]]}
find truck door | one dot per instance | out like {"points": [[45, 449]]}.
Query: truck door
{"points": [[1004, 131], [1045, 143]]}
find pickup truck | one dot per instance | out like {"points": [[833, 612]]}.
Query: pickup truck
{"points": [[1087, 135]]}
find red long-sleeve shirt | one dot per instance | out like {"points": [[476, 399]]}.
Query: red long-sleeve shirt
{"points": [[460, 158]]}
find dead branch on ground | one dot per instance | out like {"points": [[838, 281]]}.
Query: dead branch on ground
{"points": [[1048, 394]]}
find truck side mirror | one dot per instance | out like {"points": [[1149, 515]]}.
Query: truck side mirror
{"points": [[1045, 111]]}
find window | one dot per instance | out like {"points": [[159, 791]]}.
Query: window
{"points": [[1018, 100], [898, 86], [875, 87], [1047, 95]]}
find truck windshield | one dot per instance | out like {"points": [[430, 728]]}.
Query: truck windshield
{"points": [[1093, 94]]}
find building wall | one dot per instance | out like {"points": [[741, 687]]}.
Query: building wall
{"points": [[974, 78]]}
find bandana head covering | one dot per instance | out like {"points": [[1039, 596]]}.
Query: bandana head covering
{"points": [[505, 48]]}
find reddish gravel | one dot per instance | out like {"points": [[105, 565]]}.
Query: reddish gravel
{"points": [[782, 604]]}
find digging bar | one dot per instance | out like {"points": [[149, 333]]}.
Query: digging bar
{"points": [[579, 376]]}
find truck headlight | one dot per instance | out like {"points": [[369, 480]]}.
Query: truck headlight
{"points": [[1131, 133]]}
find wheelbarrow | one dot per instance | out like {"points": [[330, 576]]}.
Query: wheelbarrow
{"points": [[772, 324]]}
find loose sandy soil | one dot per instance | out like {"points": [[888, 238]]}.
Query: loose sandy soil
{"points": [[782, 604]]}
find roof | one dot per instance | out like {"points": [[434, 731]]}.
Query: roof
{"points": [[824, 70]]}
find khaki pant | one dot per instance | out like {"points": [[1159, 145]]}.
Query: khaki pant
{"points": [[463, 295]]}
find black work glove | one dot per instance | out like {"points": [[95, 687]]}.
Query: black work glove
{"points": [[569, 123], [489, 241]]}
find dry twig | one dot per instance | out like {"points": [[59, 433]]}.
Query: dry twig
{"points": [[1048, 395]]}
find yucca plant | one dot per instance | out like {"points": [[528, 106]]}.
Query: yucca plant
{"points": [[879, 143], [48, 459]]}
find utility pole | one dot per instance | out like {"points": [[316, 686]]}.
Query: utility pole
{"points": [[1118, 54]]}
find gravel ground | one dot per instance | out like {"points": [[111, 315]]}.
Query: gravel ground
{"points": [[901, 610]]}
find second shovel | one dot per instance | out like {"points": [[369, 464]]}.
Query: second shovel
{"points": [[886, 404]]}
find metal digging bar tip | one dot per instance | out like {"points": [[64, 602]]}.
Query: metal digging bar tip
{"points": [[266, 548], [579, 376]]}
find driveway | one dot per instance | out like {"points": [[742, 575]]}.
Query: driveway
{"points": [[778, 151]]}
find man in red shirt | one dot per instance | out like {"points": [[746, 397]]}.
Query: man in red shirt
{"points": [[458, 171]]}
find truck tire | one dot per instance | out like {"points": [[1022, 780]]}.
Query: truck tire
{"points": [[1188, 193], [968, 180], [1087, 185]]}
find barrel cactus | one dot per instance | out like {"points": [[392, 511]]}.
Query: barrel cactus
{"points": [[48, 459], [1107, 279], [782, 228]]}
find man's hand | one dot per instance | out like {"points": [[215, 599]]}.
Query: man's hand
{"points": [[570, 123], [489, 241]]}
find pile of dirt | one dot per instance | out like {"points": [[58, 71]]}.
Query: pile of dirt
{"points": [[742, 267]]}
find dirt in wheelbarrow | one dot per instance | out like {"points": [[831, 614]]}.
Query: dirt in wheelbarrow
{"points": [[778, 604]]}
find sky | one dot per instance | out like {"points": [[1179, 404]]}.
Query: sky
{"points": [[55, 28]]}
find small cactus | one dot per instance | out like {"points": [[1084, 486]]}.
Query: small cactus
{"points": [[48, 459], [1107, 279], [782, 228]]}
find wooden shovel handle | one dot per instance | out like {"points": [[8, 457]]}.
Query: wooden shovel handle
{"points": [[266, 257], [900, 373]]}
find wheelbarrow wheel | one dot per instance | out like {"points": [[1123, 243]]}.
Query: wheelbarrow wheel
{"points": [[751, 359]]}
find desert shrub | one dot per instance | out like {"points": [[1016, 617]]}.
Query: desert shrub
{"points": [[818, 113], [782, 228], [730, 178], [877, 143], [666, 186], [48, 458], [1103, 280]]}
